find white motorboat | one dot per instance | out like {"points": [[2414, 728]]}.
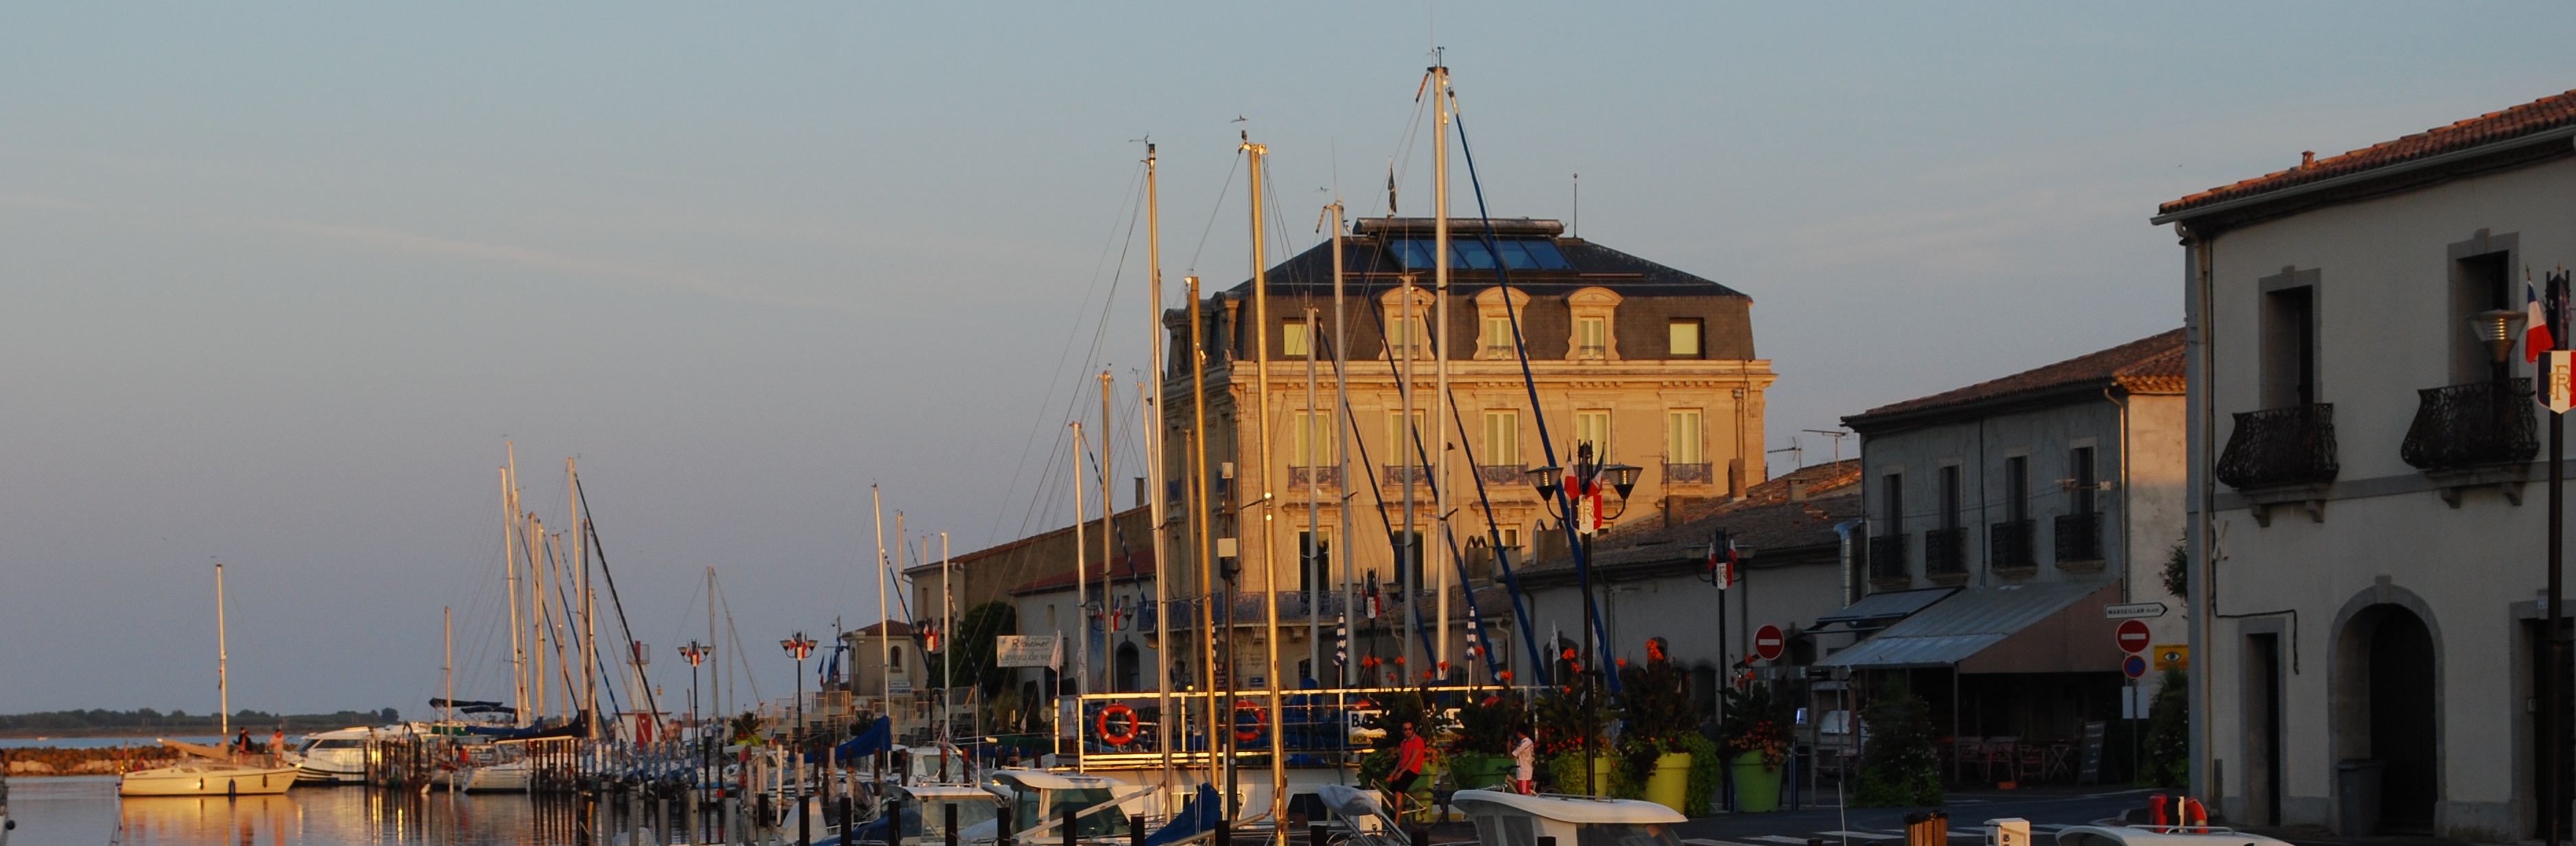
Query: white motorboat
{"points": [[1503, 819], [333, 757]]}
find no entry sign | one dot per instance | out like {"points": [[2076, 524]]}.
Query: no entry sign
{"points": [[2133, 636], [1766, 642]]}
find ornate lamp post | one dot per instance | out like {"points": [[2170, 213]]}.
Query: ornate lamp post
{"points": [[696, 653], [1575, 498], [800, 646]]}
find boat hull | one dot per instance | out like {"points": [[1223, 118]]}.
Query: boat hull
{"points": [[206, 781]]}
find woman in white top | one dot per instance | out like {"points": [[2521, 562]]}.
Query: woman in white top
{"points": [[1524, 764]]}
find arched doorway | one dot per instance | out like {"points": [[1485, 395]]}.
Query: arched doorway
{"points": [[2387, 713]]}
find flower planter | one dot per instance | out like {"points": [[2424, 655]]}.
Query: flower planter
{"points": [[1669, 786], [1474, 770], [1757, 787]]}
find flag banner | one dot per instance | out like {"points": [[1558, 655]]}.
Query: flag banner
{"points": [[2555, 380]]}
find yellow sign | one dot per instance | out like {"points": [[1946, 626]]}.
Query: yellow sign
{"points": [[2556, 390], [2173, 656]]}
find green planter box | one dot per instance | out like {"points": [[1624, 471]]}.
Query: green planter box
{"points": [[1475, 770], [1757, 787]]}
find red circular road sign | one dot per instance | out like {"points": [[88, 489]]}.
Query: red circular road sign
{"points": [[2136, 666], [1767, 642], [2133, 636]]}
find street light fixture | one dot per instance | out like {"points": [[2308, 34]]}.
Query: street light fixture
{"points": [[696, 653], [800, 646], [2495, 328], [1565, 498]]}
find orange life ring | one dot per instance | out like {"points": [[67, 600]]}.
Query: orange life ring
{"points": [[1244, 735], [1120, 738]]}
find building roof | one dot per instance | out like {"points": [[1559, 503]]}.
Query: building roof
{"points": [[1765, 519], [2152, 365], [2047, 627], [1372, 260], [1007, 547], [2547, 113], [1136, 564], [901, 628]]}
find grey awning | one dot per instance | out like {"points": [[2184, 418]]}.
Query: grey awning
{"points": [[1879, 609], [2039, 628]]}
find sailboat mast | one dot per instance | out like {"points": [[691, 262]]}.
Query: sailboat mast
{"points": [[1309, 580], [947, 646], [1260, 418], [1150, 424], [447, 659], [1342, 438], [715, 680], [1081, 578], [510, 574], [223, 660], [1440, 363], [589, 607], [1108, 514], [1204, 524], [1408, 556], [885, 620], [539, 621]]}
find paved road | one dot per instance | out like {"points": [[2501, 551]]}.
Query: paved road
{"points": [[2047, 809]]}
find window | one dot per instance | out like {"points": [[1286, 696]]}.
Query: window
{"points": [[894, 655], [2081, 481], [1591, 336], [1315, 548], [1950, 497], [2290, 339], [1510, 535], [1685, 337], [1682, 436], [1399, 439], [1408, 560], [1592, 426], [1405, 337], [1891, 493], [1502, 438], [1294, 339], [2478, 283], [1311, 441], [2017, 488], [1473, 254], [1498, 337]]}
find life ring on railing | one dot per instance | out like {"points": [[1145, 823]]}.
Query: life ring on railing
{"points": [[1259, 720], [1121, 737]]}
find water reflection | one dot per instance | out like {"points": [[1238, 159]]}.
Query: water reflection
{"points": [[86, 811]]}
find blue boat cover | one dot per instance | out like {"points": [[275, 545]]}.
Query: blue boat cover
{"points": [[1199, 815], [878, 738]]}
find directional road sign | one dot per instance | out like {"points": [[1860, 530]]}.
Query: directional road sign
{"points": [[2133, 636], [1767, 642], [2133, 610]]}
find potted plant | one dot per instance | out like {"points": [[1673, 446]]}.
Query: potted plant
{"points": [[1395, 708], [1479, 753], [1659, 732], [1899, 765], [1755, 739], [1564, 718]]}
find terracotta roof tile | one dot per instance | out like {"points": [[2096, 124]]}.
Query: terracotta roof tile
{"points": [[2152, 365], [2539, 115], [1135, 564]]}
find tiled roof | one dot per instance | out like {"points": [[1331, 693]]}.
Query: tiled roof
{"points": [[1765, 519], [1369, 267], [901, 629], [2152, 365], [1135, 564], [2546, 113], [966, 558]]}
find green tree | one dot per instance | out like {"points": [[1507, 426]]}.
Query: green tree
{"points": [[1899, 766], [2168, 752], [977, 631]]}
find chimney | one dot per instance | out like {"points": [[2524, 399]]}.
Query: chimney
{"points": [[1797, 489], [1140, 492], [2307, 159]]}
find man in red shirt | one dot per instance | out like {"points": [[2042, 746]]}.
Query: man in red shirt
{"points": [[1409, 758]]}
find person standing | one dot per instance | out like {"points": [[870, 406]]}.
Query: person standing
{"points": [[1524, 763], [1409, 758]]}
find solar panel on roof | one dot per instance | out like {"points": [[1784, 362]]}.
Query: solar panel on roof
{"points": [[1472, 254]]}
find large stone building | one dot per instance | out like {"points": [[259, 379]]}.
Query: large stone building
{"points": [[1651, 365], [2366, 554]]}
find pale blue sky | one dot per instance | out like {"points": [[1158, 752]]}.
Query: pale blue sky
{"points": [[276, 281]]}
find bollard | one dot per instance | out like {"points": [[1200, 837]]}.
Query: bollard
{"points": [[1068, 825], [1224, 831], [948, 821], [1010, 827], [1314, 835], [804, 817], [845, 820]]}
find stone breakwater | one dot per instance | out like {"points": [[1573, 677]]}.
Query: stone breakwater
{"points": [[104, 760]]}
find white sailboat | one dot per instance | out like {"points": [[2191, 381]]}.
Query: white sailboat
{"points": [[209, 771]]}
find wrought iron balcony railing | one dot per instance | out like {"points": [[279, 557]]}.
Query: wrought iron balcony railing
{"points": [[1686, 474], [1887, 556], [1503, 474], [1404, 474], [2280, 446], [1945, 552], [1330, 477], [2079, 537], [2468, 425], [2008, 546]]}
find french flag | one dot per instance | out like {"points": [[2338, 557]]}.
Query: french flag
{"points": [[2535, 333]]}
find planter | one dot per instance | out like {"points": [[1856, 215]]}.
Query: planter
{"points": [[1669, 786], [1757, 787], [1476, 770]]}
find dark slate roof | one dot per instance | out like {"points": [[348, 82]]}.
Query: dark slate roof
{"points": [[2546, 113], [1766, 522], [1131, 566], [1368, 266], [2152, 365]]}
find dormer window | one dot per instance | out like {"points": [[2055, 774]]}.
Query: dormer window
{"points": [[1494, 340], [1295, 340], [1596, 330], [1407, 337]]}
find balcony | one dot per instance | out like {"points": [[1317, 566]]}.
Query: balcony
{"points": [[2008, 548], [1945, 552], [2465, 436], [1887, 558], [1686, 474], [2280, 446], [1402, 474], [1503, 474], [1330, 477], [2079, 539]]}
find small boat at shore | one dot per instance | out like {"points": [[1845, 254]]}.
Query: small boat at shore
{"points": [[334, 757], [207, 770]]}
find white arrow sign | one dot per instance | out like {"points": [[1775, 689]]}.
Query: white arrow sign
{"points": [[2133, 610]]}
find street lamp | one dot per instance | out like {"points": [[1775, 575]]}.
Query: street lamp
{"points": [[2495, 328], [696, 653], [800, 646], [1575, 500]]}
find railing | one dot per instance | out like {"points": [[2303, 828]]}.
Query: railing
{"points": [[1887, 556], [2008, 547], [1686, 474], [1591, 351], [1945, 552], [1503, 474], [1330, 477], [1401, 474], [2468, 425], [2079, 537], [2280, 446]]}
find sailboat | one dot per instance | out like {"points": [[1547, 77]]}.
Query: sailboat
{"points": [[208, 771]]}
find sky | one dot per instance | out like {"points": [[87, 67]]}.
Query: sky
{"points": [[280, 283]]}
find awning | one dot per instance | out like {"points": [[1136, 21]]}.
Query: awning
{"points": [[2054, 627], [1879, 609]]}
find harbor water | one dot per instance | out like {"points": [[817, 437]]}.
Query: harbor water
{"points": [[85, 811]]}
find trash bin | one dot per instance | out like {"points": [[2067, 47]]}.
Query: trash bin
{"points": [[2357, 792]]}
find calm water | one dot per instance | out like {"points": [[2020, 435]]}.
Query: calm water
{"points": [[85, 811]]}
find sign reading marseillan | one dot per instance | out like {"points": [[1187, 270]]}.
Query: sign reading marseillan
{"points": [[1024, 651]]}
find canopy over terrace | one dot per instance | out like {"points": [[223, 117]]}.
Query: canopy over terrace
{"points": [[2050, 627]]}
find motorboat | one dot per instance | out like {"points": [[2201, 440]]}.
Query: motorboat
{"points": [[333, 757], [2159, 835], [1515, 819]]}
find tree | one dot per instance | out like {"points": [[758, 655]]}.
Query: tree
{"points": [[2168, 762], [1899, 766], [973, 645]]}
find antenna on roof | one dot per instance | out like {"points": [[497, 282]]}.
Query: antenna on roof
{"points": [[1578, 201], [1792, 448], [1838, 435]]}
